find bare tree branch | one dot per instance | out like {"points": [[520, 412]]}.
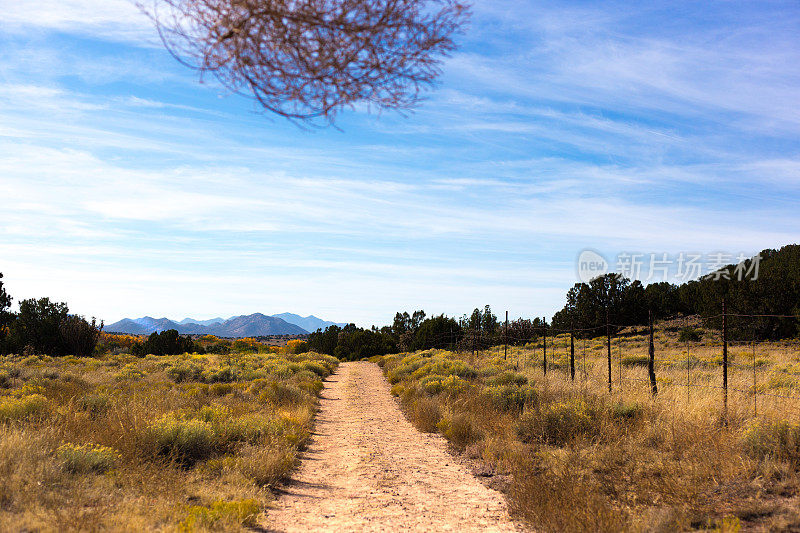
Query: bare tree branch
{"points": [[309, 59]]}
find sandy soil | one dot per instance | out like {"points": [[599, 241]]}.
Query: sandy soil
{"points": [[369, 469]]}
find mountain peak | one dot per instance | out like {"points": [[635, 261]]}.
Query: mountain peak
{"points": [[253, 325], [309, 323]]}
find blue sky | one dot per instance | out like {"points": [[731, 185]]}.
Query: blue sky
{"points": [[128, 188]]}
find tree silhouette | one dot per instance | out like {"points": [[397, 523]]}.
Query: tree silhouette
{"points": [[309, 59], [5, 316]]}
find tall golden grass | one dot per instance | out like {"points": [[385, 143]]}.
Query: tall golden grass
{"points": [[174, 443]]}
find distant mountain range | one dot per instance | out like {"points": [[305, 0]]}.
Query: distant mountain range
{"points": [[209, 322], [309, 323], [253, 325]]}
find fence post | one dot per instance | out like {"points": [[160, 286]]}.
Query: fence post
{"points": [[544, 345], [572, 354], [688, 365], [755, 390], [505, 351], [585, 373], [474, 341], [619, 364], [651, 366], [725, 361], [608, 348]]}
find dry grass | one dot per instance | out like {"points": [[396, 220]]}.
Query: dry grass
{"points": [[581, 459], [187, 443]]}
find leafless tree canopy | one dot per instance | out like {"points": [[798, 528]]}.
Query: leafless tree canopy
{"points": [[309, 59]]}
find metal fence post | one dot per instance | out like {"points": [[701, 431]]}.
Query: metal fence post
{"points": [[585, 373], [544, 346], [608, 348], [688, 363], [505, 352], [755, 390], [725, 361], [572, 354]]}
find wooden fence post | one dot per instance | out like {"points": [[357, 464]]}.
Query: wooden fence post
{"points": [[651, 366]]}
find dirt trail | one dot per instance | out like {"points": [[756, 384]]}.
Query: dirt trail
{"points": [[369, 469]]}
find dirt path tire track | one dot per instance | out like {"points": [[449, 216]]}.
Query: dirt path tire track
{"points": [[369, 469]]}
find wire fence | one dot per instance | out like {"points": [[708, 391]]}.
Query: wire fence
{"points": [[720, 354]]}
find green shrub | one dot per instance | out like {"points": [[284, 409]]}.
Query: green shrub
{"points": [[627, 411], [278, 370], [294, 431], [635, 360], [431, 384], [424, 413], [458, 429], [221, 515], [318, 368], [185, 371], [86, 458], [129, 372], [445, 367], [5, 379], [510, 397], [251, 428], [33, 406], [94, 403], [311, 386], [279, 393], [267, 465], [689, 334], [780, 381], [329, 361], [556, 424], [450, 385], [221, 389], [406, 367], [214, 414], [777, 439], [188, 441], [221, 375]]}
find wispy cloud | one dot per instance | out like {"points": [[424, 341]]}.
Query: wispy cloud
{"points": [[106, 19]]}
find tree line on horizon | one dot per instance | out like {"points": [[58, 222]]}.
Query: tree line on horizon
{"points": [[408, 332], [773, 298], [417, 331], [42, 326], [771, 302]]}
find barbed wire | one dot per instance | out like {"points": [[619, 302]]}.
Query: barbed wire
{"points": [[557, 343]]}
